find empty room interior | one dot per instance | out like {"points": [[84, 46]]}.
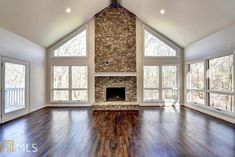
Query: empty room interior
{"points": [[117, 78]]}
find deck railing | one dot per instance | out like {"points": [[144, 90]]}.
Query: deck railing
{"points": [[14, 97]]}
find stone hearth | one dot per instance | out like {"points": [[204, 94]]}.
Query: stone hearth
{"points": [[113, 106]]}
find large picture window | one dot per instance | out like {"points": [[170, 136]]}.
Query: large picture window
{"points": [[154, 47], [169, 83], [70, 83], [151, 83], [218, 92], [164, 89], [221, 83], [75, 47]]}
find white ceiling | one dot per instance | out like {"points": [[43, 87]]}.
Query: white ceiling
{"points": [[186, 21]]}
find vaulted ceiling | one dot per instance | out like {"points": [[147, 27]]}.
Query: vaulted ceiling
{"points": [[185, 21]]}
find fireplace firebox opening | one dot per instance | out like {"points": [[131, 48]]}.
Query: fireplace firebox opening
{"points": [[115, 94]]}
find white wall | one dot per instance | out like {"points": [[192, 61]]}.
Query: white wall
{"points": [[16, 47], [219, 43]]}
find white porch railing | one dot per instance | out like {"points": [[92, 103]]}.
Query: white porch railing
{"points": [[14, 98]]}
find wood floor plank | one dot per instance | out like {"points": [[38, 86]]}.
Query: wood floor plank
{"points": [[150, 132]]}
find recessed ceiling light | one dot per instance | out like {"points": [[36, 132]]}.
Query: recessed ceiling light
{"points": [[162, 11], [68, 10]]}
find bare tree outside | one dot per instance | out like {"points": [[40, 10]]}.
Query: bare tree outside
{"points": [[74, 47], [169, 80], [60, 81], [195, 83], [221, 79], [196, 96], [80, 83], [64, 84], [169, 83], [151, 83], [15, 79], [169, 77], [156, 47]]}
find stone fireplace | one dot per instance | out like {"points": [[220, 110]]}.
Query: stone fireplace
{"points": [[115, 57], [127, 82]]}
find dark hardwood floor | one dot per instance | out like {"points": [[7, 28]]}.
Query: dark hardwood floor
{"points": [[152, 132]]}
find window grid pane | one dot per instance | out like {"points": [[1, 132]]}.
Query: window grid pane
{"points": [[60, 95], [151, 95], [169, 76], [221, 74], [196, 76], [74, 47], [79, 95], [222, 102], [79, 76], [196, 97], [60, 76], [151, 76], [156, 47], [169, 95]]}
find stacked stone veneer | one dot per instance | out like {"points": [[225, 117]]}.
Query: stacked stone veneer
{"points": [[115, 51], [101, 83], [115, 40]]}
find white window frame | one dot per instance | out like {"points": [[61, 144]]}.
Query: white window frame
{"points": [[163, 39], [160, 83], [196, 90], [206, 85], [66, 39], [159, 99], [70, 89]]}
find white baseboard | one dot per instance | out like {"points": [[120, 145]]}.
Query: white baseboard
{"points": [[68, 105], [36, 108], [212, 113]]}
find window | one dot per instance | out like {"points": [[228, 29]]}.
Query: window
{"points": [[221, 74], [61, 83], [151, 83], [196, 96], [154, 47], [195, 83], [218, 91], [169, 83], [77, 46], [156, 90], [79, 83], [222, 102], [169, 77], [196, 76], [221, 83], [70, 83], [15, 87]]}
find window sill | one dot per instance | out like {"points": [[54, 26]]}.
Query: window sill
{"points": [[209, 109], [68, 102]]}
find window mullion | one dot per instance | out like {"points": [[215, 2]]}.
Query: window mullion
{"points": [[70, 83], [233, 83], [206, 83], [52, 83], [160, 83]]}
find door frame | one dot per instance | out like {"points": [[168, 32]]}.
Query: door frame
{"points": [[17, 113]]}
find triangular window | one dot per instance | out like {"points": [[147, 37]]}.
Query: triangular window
{"points": [[77, 46], [154, 47]]}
